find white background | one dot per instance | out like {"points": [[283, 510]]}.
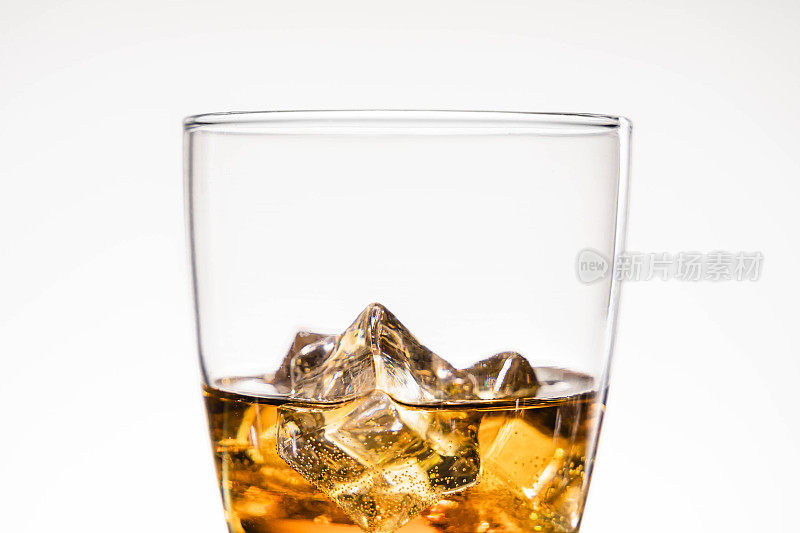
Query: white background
{"points": [[102, 426]]}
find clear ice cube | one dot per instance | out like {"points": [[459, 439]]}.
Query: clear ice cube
{"points": [[382, 460], [322, 346], [375, 353], [533, 466], [505, 375]]}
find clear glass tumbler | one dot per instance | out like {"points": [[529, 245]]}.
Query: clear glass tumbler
{"points": [[405, 319]]}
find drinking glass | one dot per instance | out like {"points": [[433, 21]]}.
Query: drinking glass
{"points": [[405, 319]]}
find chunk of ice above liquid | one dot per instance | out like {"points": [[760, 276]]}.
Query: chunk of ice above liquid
{"points": [[354, 432]]}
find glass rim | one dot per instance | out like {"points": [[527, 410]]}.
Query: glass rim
{"points": [[404, 121]]}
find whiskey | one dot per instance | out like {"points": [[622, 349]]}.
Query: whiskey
{"points": [[530, 470]]}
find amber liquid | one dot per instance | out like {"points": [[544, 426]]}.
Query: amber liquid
{"points": [[535, 454]]}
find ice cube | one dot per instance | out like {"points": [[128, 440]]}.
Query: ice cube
{"points": [[355, 432], [535, 459], [375, 353], [321, 347], [505, 375], [381, 462]]}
